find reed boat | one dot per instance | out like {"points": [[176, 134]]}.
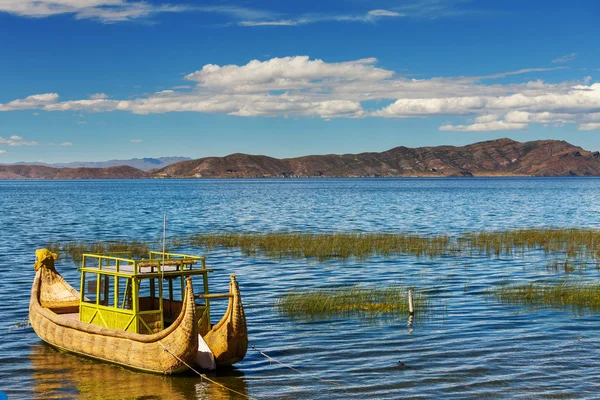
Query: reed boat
{"points": [[141, 314]]}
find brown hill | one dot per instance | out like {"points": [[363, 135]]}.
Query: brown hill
{"points": [[231, 166], [43, 172], [502, 157]]}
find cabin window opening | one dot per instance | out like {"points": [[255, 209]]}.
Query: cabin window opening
{"points": [[148, 294], [106, 292], [124, 295], [172, 298], [90, 287], [198, 286]]}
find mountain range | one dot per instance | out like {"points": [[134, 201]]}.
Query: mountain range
{"points": [[501, 157], [144, 164]]}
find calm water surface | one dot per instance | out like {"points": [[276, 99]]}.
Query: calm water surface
{"points": [[476, 348]]}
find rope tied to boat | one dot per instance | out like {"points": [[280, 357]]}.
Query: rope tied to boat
{"points": [[203, 376], [297, 370]]}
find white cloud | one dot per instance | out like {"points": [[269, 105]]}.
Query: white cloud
{"points": [[282, 22], [66, 144], [579, 104], [30, 102], [136, 140], [99, 96], [370, 16], [298, 86], [17, 141], [2, 151], [107, 11], [416, 9], [486, 118], [237, 12], [112, 11], [565, 58], [285, 73], [404, 108], [592, 126], [485, 127], [384, 13], [518, 72]]}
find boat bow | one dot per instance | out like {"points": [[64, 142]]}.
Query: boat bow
{"points": [[228, 339]]}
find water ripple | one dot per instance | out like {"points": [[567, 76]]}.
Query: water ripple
{"points": [[472, 347]]}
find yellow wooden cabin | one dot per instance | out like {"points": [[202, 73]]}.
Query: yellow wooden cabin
{"points": [[141, 296]]}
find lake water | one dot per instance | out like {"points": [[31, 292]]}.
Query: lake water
{"points": [[472, 347]]}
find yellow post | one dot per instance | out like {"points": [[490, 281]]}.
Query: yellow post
{"points": [[206, 291], [136, 304]]}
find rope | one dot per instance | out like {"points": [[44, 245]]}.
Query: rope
{"points": [[203, 376], [297, 370], [24, 323]]}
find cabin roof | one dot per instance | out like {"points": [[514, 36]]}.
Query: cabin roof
{"points": [[173, 264]]}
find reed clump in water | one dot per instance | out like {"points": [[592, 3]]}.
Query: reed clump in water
{"points": [[577, 295], [351, 301], [573, 243], [326, 245], [570, 244], [75, 249]]}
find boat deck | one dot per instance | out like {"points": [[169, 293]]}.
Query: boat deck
{"points": [[73, 316]]}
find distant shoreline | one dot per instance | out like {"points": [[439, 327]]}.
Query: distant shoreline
{"points": [[298, 178], [501, 157]]}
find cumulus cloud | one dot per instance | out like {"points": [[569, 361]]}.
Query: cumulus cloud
{"points": [[565, 58], [285, 73], [303, 87], [17, 141], [30, 102], [102, 10]]}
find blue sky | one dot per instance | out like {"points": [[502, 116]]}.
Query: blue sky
{"points": [[103, 79]]}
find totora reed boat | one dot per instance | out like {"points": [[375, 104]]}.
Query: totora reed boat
{"points": [[139, 314]]}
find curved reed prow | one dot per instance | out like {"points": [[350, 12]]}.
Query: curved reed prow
{"points": [[228, 340], [45, 258]]}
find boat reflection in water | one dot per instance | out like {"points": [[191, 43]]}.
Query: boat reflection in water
{"points": [[60, 375]]}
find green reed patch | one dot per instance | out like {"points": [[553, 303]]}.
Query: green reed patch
{"points": [[573, 243], [326, 245], [569, 244], [351, 301], [75, 249], [576, 295]]}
